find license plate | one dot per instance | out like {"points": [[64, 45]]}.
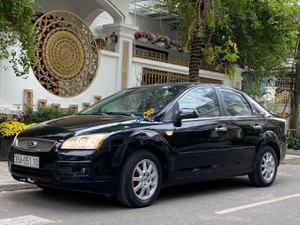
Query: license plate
{"points": [[26, 160]]}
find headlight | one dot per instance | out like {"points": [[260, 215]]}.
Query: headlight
{"points": [[83, 142], [15, 139]]}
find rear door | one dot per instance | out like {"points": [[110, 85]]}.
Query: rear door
{"points": [[245, 129]]}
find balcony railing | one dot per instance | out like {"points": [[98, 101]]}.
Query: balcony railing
{"points": [[153, 76], [164, 57], [155, 55], [159, 56]]}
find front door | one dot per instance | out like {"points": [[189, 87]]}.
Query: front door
{"points": [[201, 142]]}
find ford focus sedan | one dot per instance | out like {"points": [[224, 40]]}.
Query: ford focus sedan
{"points": [[137, 141]]}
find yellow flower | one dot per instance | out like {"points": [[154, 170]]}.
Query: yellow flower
{"points": [[12, 128]]}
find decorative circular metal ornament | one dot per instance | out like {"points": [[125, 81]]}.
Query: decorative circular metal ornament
{"points": [[66, 57]]}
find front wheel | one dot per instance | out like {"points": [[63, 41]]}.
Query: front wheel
{"points": [[141, 180], [265, 171]]}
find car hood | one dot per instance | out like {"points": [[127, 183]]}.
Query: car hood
{"points": [[65, 127]]}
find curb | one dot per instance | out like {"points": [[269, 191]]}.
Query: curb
{"points": [[293, 152], [16, 186]]}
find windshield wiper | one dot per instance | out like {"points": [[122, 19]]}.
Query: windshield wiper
{"points": [[93, 113], [119, 113], [97, 113], [109, 113]]}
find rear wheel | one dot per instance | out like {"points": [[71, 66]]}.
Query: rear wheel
{"points": [[141, 180], [265, 171]]}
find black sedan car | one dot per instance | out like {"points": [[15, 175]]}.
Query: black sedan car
{"points": [[137, 141]]}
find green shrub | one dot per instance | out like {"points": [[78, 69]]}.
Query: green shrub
{"points": [[294, 142], [45, 113]]}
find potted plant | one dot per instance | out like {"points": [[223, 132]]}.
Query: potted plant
{"points": [[144, 36], [8, 130], [177, 45], [3, 117], [161, 41]]}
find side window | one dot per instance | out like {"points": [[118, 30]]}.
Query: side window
{"points": [[261, 111], [203, 100], [235, 103]]}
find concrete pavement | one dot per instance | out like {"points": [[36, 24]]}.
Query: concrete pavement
{"points": [[7, 183]]}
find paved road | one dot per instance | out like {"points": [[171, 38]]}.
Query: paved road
{"points": [[226, 202]]}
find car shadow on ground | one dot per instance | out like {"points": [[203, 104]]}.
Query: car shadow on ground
{"points": [[91, 201], [204, 188]]}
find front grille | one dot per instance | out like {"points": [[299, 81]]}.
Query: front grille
{"points": [[34, 144]]}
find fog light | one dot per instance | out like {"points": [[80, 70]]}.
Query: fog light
{"points": [[83, 171], [80, 171]]}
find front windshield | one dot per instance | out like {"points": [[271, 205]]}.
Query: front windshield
{"points": [[136, 101]]}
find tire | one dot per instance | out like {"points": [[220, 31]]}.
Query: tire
{"points": [[265, 171], [140, 181]]}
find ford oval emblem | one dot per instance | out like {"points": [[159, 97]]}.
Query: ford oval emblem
{"points": [[31, 144]]}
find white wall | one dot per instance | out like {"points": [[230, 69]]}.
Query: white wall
{"points": [[97, 25], [12, 87], [123, 7], [107, 80], [104, 84], [83, 8]]}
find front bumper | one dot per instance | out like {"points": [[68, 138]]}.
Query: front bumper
{"points": [[80, 172]]}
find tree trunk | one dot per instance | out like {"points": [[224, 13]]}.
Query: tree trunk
{"points": [[295, 100], [196, 43], [195, 57]]}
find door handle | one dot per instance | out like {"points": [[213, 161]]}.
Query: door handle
{"points": [[257, 127], [221, 129]]}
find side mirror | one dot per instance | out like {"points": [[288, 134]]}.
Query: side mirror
{"points": [[184, 113]]}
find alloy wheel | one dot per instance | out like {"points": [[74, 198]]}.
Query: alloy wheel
{"points": [[144, 179], [268, 166]]}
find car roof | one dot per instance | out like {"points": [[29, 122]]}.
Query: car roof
{"points": [[187, 84]]}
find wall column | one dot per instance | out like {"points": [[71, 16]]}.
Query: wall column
{"points": [[124, 47]]}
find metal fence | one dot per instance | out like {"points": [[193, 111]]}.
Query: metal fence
{"points": [[284, 83], [153, 76]]}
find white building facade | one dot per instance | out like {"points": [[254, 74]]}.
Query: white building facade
{"points": [[79, 60]]}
